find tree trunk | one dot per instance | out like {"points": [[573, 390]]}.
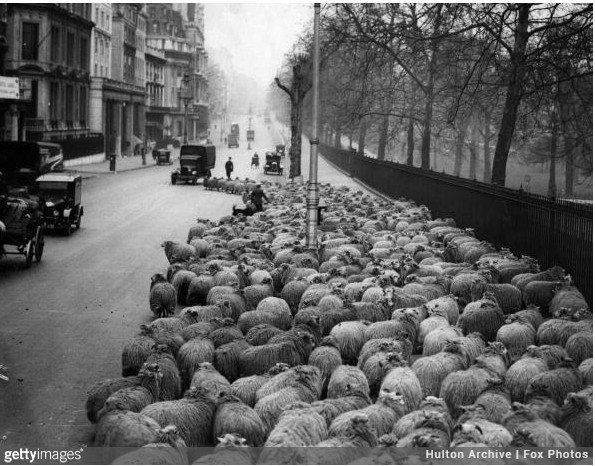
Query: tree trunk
{"points": [[383, 137], [460, 145], [361, 141], [295, 157], [410, 142], [514, 94], [487, 166], [551, 188], [338, 138], [569, 160], [427, 124], [473, 150]]}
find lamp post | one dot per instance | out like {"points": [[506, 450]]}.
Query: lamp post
{"points": [[186, 94], [312, 195]]}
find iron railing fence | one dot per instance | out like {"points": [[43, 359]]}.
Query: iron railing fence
{"points": [[554, 232]]}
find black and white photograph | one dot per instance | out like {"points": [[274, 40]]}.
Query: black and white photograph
{"points": [[296, 233]]}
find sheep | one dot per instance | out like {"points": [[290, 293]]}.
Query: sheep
{"points": [[163, 296], [404, 382], [346, 378], [552, 355], [382, 415], [198, 289], [436, 340], [171, 383], [327, 358], [136, 351], [482, 431], [331, 408], [227, 358], [168, 448], [261, 334], [226, 333], [553, 274], [137, 397], [298, 426], [191, 355], [532, 315], [586, 370], [432, 370], [517, 334], [181, 282], [259, 359], [508, 296], [350, 337], [192, 415], [276, 318], [445, 306], [580, 346], [568, 297], [208, 378], [577, 417], [430, 406], [540, 294], [462, 388], [292, 292], [520, 373], [556, 383], [121, 428], [385, 345], [233, 416], [100, 391], [199, 329], [484, 316], [542, 434], [178, 252]]}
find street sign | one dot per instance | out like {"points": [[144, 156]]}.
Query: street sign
{"points": [[9, 88]]}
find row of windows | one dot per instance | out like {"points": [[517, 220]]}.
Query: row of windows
{"points": [[68, 101], [59, 53], [102, 19]]}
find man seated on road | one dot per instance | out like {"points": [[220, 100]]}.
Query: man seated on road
{"points": [[248, 211]]}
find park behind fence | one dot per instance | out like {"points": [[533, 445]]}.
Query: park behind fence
{"points": [[552, 231]]}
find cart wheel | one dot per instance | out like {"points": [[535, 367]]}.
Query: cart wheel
{"points": [[29, 253], [39, 244]]}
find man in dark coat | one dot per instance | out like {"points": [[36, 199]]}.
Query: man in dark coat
{"points": [[228, 168], [257, 196]]}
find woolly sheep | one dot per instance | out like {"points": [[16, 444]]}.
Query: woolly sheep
{"points": [[586, 371], [435, 341], [233, 416], [192, 415], [121, 428], [403, 381], [171, 383], [484, 316], [520, 373], [191, 355], [178, 252], [350, 337], [181, 282], [556, 383], [432, 370], [163, 297], [227, 358], [517, 334], [206, 377], [580, 346], [577, 417], [346, 378], [135, 352]]}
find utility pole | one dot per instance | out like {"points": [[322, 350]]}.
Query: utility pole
{"points": [[312, 195]]}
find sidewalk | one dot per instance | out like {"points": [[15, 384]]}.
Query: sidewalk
{"points": [[123, 164]]}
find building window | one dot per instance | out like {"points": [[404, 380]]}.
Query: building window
{"points": [[29, 43], [83, 106], [69, 104], [70, 49], [84, 57], [54, 100], [55, 54]]}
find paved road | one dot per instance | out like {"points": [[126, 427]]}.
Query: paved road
{"points": [[64, 321]]}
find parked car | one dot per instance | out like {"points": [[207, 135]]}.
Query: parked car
{"points": [[196, 161], [61, 197], [23, 162], [280, 150]]}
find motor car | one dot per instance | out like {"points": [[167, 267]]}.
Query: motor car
{"points": [[196, 161], [163, 157], [273, 164], [22, 162], [61, 200], [280, 150]]}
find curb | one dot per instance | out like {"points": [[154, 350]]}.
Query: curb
{"points": [[116, 172]]}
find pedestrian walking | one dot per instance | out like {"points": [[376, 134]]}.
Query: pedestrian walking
{"points": [[255, 161], [257, 197], [229, 168]]}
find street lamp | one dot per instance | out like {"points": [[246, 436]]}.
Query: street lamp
{"points": [[186, 94], [312, 194]]}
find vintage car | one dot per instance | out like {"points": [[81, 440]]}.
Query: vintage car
{"points": [[61, 197], [196, 161], [273, 164], [163, 157], [280, 150]]}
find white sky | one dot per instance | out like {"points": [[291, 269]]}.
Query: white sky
{"points": [[256, 34]]}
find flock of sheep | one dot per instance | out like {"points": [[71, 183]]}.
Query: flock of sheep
{"points": [[400, 330]]}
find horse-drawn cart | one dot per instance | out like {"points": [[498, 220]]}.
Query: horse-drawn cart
{"points": [[23, 227]]}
